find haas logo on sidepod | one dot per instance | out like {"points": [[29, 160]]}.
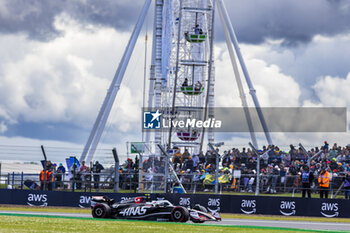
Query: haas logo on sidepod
{"points": [[134, 211], [329, 210], [37, 199], [287, 208], [248, 206]]}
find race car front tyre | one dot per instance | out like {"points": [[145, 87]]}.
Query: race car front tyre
{"points": [[179, 214], [101, 210]]}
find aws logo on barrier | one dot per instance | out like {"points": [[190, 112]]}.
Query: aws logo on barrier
{"points": [[248, 206], [84, 201], [214, 204], [37, 199], [287, 208], [185, 201], [329, 210]]}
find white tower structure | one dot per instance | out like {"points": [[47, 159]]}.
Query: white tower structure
{"points": [[187, 31]]}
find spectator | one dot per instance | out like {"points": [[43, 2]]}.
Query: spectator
{"points": [[201, 158], [82, 173], [185, 156], [43, 179], [197, 29], [347, 186], [96, 169], [307, 178], [323, 181], [188, 164], [61, 171], [185, 83], [50, 177], [177, 158], [195, 160], [198, 86]]}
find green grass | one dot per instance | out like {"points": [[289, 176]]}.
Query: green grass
{"points": [[45, 209], [236, 216], [17, 223]]}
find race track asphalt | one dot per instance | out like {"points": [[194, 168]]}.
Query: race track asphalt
{"points": [[330, 226]]}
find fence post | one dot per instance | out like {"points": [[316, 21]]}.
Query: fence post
{"points": [[22, 176], [13, 179], [257, 169], [116, 170], [217, 156]]}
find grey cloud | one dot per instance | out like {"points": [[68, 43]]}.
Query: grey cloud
{"points": [[36, 17], [294, 21]]}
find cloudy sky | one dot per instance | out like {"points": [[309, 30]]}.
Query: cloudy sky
{"points": [[58, 58]]}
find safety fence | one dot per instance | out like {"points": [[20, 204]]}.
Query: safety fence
{"points": [[155, 182], [287, 206]]}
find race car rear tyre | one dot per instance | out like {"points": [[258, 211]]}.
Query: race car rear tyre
{"points": [[101, 210], [200, 208], [179, 214]]}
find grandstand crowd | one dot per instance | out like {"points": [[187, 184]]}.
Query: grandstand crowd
{"points": [[237, 168], [318, 170]]}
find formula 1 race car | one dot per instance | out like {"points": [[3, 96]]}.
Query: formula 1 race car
{"points": [[144, 208]]}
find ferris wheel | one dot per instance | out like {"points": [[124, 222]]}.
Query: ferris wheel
{"points": [[182, 76]]}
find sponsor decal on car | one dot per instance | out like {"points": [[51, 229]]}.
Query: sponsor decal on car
{"points": [[134, 211]]}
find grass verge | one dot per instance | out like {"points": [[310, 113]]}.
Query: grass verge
{"points": [[48, 209], [23, 223]]}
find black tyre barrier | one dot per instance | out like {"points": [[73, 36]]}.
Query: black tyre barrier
{"points": [[223, 203]]}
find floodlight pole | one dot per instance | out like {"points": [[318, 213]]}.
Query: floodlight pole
{"points": [[257, 169], [105, 110], [229, 28]]}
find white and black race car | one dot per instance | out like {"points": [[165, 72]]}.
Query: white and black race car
{"points": [[144, 208]]}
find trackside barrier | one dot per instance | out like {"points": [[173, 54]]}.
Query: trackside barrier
{"points": [[329, 208]]}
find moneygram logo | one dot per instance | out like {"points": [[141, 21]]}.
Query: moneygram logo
{"points": [[152, 120]]}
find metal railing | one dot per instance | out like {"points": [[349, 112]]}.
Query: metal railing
{"points": [[193, 182]]}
